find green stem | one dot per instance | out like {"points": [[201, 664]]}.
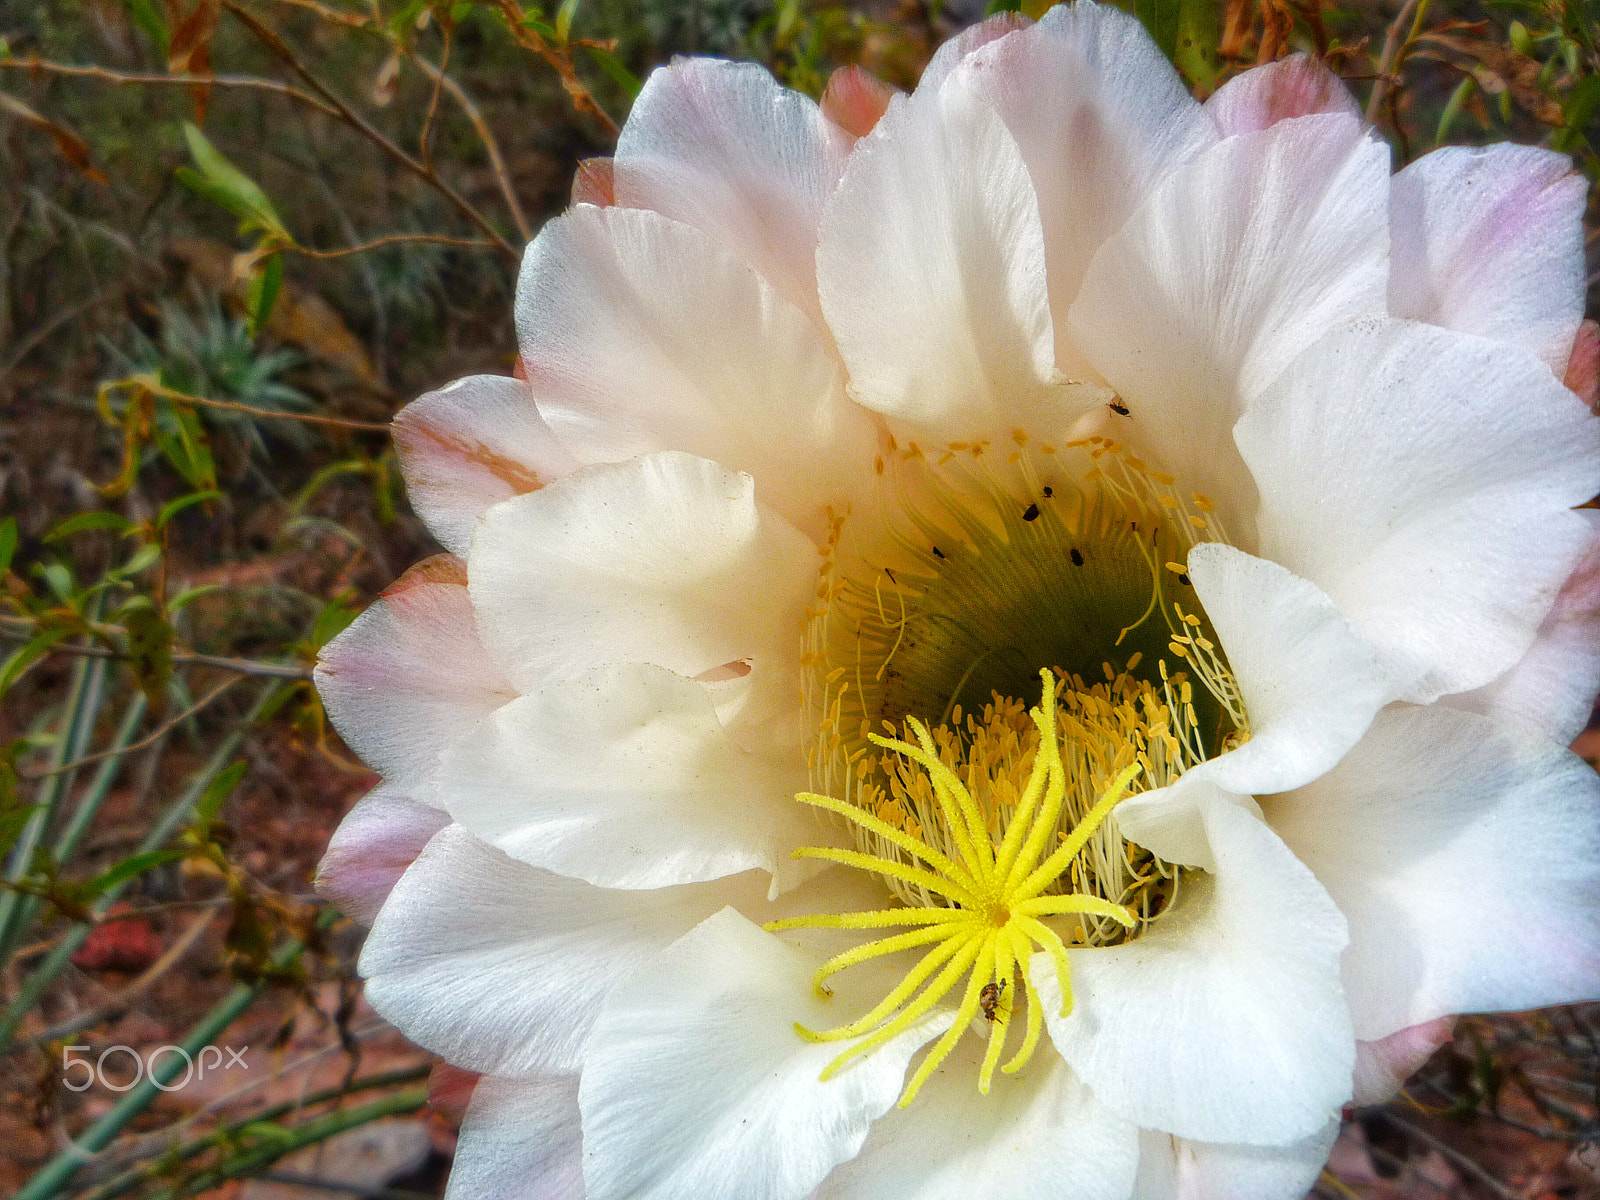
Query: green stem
{"points": [[163, 829], [129, 1180], [50, 1178]]}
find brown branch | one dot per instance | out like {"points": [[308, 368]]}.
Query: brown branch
{"points": [[560, 63], [105, 75], [390, 240], [496, 162], [1395, 42], [308, 418], [244, 666], [270, 39], [166, 728]]}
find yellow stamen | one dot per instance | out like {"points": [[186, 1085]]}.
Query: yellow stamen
{"points": [[990, 925]]}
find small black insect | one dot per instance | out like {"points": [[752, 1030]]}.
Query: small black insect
{"points": [[1048, 491], [989, 998], [1031, 513], [1077, 559], [1118, 407], [938, 553]]}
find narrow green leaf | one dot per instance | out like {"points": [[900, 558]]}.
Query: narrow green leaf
{"points": [[1199, 33], [11, 826], [1160, 17], [189, 595], [26, 655], [8, 543], [86, 521], [564, 15], [173, 507], [615, 71], [148, 18], [229, 186], [333, 620], [59, 579], [217, 793], [264, 292], [1576, 112], [125, 870], [143, 558]]}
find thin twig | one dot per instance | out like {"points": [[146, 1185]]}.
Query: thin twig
{"points": [[308, 418], [433, 100], [1453, 1156], [43, 332], [244, 666], [390, 240], [272, 41], [166, 728], [106, 75], [497, 162], [1386, 61]]}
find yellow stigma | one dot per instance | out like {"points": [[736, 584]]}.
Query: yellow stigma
{"points": [[990, 891]]}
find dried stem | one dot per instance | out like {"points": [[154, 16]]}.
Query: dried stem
{"points": [[122, 77], [22, 631]]}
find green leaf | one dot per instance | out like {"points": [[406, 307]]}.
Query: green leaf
{"points": [[189, 595], [125, 870], [143, 558], [1576, 113], [26, 655], [1160, 17], [223, 183], [612, 66], [333, 620], [264, 292], [149, 648], [11, 824], [405, 17], [173, 507], [148, 18], [215, 795], [87, 521], [564, 15], [8, 543], [59, 580], [1199, 32]]}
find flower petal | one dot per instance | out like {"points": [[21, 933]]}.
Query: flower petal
{"points": [[521, 1140], [1230, 266], [639, 333], [1038, 1136], [1297, 86], [1172, 1168], [1552, 689], [501, 967], [663, 559], [954, 51], [377, 840], [1467, 859], [1224, 1022], [724, 147], [409, 676], [1310, 684], [932, 273], [626, 778], [1098, 115], [471, 445], [1383, 1066], [695, 1082], [1422, 478], [1489, 240], [855, 100]]}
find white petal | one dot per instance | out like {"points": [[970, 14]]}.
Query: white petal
{"points": [[377, 840], [1297, 86], [932, 273], [639, 333], [1552, 689], [1224, 1022], [1177, 1169], [471, 445], [626, 779], [695, 1082], [664, 559], [1383, 1066], [1038, 1136], [410, 676], [1232, 265], [1489, 240], [1310, 684], [1422, 478], [1467, 859], [952, 52], [1099, 116], [723, 147], [500, 967], [521, 1140]]}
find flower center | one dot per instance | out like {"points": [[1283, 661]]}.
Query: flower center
{"points": [[987, 821]]}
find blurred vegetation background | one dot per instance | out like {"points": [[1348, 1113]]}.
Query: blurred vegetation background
{"points": [[235, 236]]}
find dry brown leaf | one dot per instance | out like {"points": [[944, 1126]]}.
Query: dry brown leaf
{"points": [[72, 147]]}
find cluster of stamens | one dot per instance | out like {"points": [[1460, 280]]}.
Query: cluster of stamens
{"points": [[994, 893]]}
